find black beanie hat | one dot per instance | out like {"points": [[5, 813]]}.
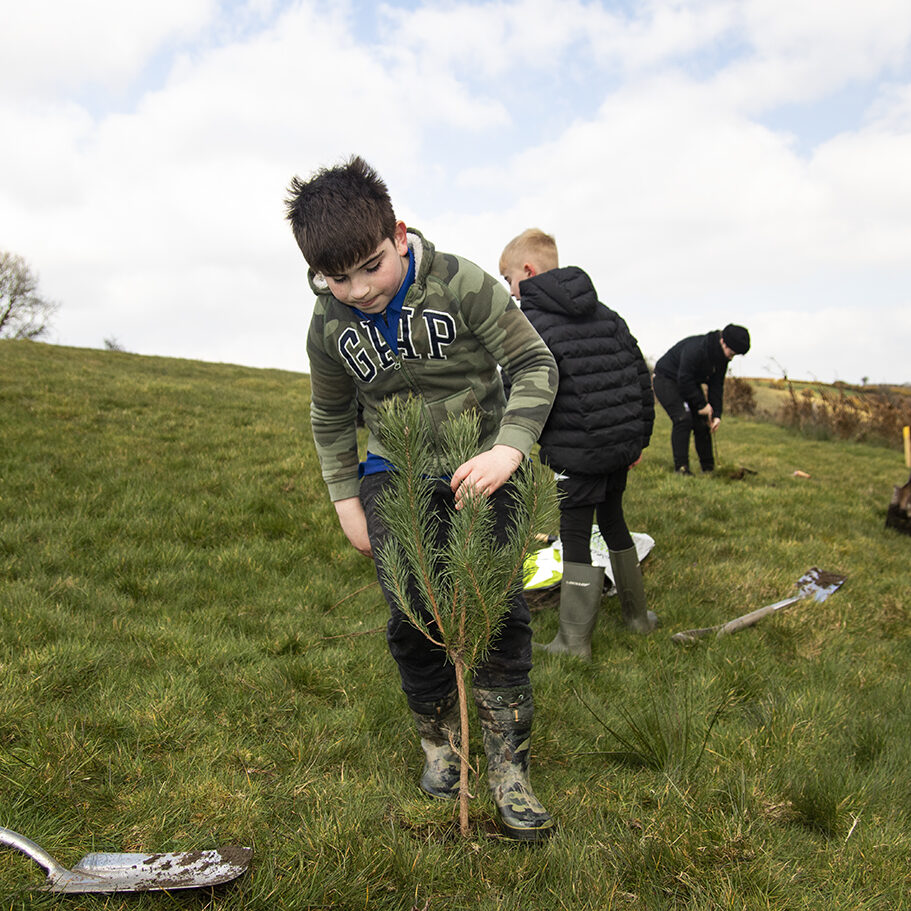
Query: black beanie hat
{"points": [[737, 338]]}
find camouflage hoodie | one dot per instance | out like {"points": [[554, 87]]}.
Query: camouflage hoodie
{"points": [[458, 324]]}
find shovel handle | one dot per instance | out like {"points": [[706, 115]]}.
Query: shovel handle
{"points": [[814, 582], [36, 852], [738, 623], [691, 635]]}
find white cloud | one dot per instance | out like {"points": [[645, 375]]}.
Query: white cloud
{"points": [[842, 39], [51, 47], [157, 217], [492, 39], [800, 52], [666, 188], [837, 343]]}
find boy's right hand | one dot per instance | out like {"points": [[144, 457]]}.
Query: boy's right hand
{"points": [[486, 472], [354, 524]]}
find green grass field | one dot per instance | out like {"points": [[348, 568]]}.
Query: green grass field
{"points": [[191, 655]]}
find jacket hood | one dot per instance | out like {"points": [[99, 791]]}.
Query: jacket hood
{"points": [[568, 290]]}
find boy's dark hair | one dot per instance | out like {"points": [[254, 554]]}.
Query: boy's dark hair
{"points": [[340, 215]]}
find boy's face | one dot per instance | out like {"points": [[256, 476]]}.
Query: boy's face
{"points": [[372, 283], [515, 272]]}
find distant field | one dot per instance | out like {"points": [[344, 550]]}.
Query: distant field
{"points": [[771, 394], [192, 655], [841, 411]]}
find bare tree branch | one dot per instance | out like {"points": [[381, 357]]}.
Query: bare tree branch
{"points": [[23, 312]]}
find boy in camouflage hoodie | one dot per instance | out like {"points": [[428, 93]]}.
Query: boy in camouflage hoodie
{"points": [[394, 318]]}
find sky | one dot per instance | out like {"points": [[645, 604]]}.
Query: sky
{"points": [[705, 161]]}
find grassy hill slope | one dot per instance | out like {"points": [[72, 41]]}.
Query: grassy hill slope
{"points": [[191, 655]]}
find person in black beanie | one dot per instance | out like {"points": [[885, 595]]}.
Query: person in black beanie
{"points": [[679, 377]]}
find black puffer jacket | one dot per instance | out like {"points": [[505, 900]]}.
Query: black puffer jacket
{"points": [[693, 361], [604, 410]]}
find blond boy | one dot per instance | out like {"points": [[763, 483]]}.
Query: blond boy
{"points": [[601, 421]]}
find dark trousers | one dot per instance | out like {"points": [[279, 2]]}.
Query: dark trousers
{"points": [[683, 423], [427, 675], [576, 527]]}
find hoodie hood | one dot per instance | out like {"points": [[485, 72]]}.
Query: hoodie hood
{"points": [[568, 291]]}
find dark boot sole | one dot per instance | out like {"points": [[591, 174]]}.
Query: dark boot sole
{"points": [[514, 833]]}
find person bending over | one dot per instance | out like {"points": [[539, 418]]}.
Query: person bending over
{"points": [[679, 377], [395, 317]]}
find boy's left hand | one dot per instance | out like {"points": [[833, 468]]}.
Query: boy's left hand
{"points": [[486, 472]]}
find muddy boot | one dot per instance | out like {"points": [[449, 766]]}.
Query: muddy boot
{"points": [[580, 598], [628, 579], [505, 716], [436, 722]]}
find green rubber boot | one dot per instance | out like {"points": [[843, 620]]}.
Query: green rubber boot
{"points": [[440, 731], [580, 598], [628, 579], [505, 716]]}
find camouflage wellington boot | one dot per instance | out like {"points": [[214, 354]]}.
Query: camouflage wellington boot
{"points": [[580, 598], [628, 579], [505, 716], [436, 723]]}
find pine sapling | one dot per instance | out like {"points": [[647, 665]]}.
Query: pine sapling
{"points": [[466, 578]]}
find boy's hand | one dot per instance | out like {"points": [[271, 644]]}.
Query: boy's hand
{"points": [[713, 424], [486, 472], [354, 524]]}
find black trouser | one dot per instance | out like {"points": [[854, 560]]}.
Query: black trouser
{"points": [[576, 528], [427, 675], [683, 423]]}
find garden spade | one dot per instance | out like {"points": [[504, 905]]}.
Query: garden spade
{"points": [[135, 872], [814, 583], [899, 513]]}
